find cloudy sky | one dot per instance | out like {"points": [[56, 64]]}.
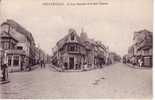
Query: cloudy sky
{"points": [[113, 24]]}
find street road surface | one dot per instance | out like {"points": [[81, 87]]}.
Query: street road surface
{"points": [[114, 81]]}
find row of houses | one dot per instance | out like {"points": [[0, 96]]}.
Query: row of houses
{"points": [[140, 49], [73, 52], [18, 48]]}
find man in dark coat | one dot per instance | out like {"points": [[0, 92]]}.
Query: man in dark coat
{"points": [[4, 71]]}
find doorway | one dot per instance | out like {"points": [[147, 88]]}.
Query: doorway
{"points": [[71, 63]]}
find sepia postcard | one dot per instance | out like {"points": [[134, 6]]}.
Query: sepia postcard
{"points": [[76, 49]]}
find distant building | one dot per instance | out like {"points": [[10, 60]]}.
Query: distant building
{"points": [[73, 52], [141, 48], [18, 45]]}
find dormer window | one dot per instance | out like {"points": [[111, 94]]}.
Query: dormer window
{"points": [[19, 47], [72, 37]]}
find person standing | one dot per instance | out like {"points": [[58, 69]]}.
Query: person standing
{"points": [[4, 71], [85, 66], [41, 63], [140, 62], [44, 64], [22, 66]]}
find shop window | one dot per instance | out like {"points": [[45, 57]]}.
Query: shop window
{"points": [[16, 61]]}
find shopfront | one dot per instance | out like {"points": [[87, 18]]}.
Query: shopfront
{"points": [[147, 61], [15, 60]]}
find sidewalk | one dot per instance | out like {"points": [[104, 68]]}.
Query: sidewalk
{"points": [[137, 67], [3, 82], [12, 70], [34, 67], [56, 69]]}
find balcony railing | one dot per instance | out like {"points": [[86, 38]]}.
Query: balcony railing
{"points": [[21, 52]]}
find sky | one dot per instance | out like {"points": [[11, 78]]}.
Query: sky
{"points": [[113, 24]]}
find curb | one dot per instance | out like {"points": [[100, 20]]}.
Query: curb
{"points": [[136, 67], [4, 82]]}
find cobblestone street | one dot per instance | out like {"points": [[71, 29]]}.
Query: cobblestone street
{"points": [[114, 81]]}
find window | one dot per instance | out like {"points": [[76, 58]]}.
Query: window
{"points": [[146, 52], [5, 45], [19, 47], [5, 28], [16, 61], [71, 48], [9, 60], [72, 37]]}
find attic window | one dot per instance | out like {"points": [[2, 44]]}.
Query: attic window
{"points": [[72, 37]]}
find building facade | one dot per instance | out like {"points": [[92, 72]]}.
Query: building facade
{"points": [[71, 52], [18, 45], [40, 55], [74, 52], [141, 48]]}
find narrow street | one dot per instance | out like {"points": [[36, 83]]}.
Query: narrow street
{"points": [[114, 81]]}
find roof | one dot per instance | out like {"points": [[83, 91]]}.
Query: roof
{"points": [[20, 29], [64, 40], [89, 44], [7, 35], [144, 30], [146, 41], [4, 34]]}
